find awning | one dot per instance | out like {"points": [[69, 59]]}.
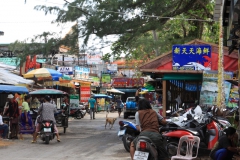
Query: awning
{"points": [[127, 90], [101, 96], [182, 77], [48, 91], [13, 89]]}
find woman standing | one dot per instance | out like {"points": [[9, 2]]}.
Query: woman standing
{"points": [[13, 112], [26, 120]]}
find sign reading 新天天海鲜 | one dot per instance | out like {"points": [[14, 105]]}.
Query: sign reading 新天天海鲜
{"points": [[191, 57]]}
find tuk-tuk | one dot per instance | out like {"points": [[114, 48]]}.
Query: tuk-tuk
{"points": [[62, 115]]}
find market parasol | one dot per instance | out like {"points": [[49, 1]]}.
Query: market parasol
{"points": [[113, 90], [48, 92], [101, 96], [42, 73]]}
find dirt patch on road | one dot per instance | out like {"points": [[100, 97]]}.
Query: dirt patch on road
{"points": [[5, 143]]}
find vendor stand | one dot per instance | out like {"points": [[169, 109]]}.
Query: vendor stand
{"points": [[61, 118], [9, 89], [98, 96]]}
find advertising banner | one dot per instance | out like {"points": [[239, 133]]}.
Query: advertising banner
{"points": [[191, 57], [106, 78], [82, 72], [209, 90], [128, 82], [74, 100], [233, 97], [65, 70], [85, 93]]}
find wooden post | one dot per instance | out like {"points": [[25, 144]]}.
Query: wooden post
{"points": [[164, 97]]}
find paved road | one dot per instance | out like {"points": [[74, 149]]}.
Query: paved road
{"points": [[84, 139]]}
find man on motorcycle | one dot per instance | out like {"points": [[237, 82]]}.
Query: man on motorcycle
{"points": [[46, 112], [147, 122]]}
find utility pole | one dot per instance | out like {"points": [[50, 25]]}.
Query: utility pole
{"points": [[155, 40]]}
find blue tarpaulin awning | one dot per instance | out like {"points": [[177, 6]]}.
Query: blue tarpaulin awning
{"points": [[13, 89], [127, 89], [101, 96]]}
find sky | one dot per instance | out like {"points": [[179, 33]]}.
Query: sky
{"points": [[20, 21]]}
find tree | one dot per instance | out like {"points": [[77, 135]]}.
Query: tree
{"points": [[132, 20]]}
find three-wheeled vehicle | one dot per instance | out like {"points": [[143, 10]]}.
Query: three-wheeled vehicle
{"points": [[62, 115]]}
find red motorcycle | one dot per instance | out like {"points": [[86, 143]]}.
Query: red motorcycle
{"points": [[208, 132]]}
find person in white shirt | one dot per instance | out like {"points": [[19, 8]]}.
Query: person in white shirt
{"points": [[3, 126]]}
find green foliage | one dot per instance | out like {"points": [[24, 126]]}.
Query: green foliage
{"points": [[175, 22]]}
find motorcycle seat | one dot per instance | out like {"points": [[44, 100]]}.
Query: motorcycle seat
{"points": [[194, 131]]}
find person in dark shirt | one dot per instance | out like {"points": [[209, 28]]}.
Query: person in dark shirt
{"points": [[225, 147], [147, 122], [119, 106]]}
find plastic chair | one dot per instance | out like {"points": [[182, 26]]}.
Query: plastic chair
{"points": [[190, 140]]}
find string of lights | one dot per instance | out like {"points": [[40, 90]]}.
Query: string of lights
{"points": [[123, 13]]}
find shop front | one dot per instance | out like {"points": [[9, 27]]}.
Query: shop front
{"points": [[180, 73]]}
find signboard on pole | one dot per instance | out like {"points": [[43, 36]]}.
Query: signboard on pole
{"points": [[191, 57], [65, 70], [106, 78], [82, 72]]}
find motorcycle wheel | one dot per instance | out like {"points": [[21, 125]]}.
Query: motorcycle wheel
{"points": [[126, 142], [79, 115], [47, 139], [172, 147]]}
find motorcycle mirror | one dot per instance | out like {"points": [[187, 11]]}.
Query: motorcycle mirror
{"points": [[212, 108], [168, 111]]}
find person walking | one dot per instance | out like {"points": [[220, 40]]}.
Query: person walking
{"points": [[46, 112], [119, 106], [3, 126], [93, 106], [26, 119], [13, 113]]}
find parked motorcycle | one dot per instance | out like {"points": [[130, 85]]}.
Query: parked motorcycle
{"points": [[127, 133], [145, 149], [75, 111], [208, 131], [47, 131]]}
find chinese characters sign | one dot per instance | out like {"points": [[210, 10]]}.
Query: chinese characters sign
{"points": [[128, 82], [191, 57]]}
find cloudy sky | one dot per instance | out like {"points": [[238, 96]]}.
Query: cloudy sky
{"points": [[20, 21]]}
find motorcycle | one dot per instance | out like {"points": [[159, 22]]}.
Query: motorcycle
{"points": [[47, 131], [75, 112], [127, 133], [208, 131], [145, 149]]}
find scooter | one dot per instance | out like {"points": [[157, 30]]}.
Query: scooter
{"points": [[127, 133], [47, 131], [208, 131]]}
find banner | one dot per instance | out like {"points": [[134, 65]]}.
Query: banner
{"points": [[85, 93], [65, 70], [233, 97], [74, 100], [191, 57], [106, 78], [209, 91], [82, 72]]}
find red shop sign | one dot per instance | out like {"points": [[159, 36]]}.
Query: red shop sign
{"points": [[85, 93]]}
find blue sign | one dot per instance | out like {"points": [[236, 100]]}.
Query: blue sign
{"points": [[191, 57]]}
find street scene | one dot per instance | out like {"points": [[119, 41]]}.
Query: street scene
{"points": [[85, 139], [114, 80]]}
